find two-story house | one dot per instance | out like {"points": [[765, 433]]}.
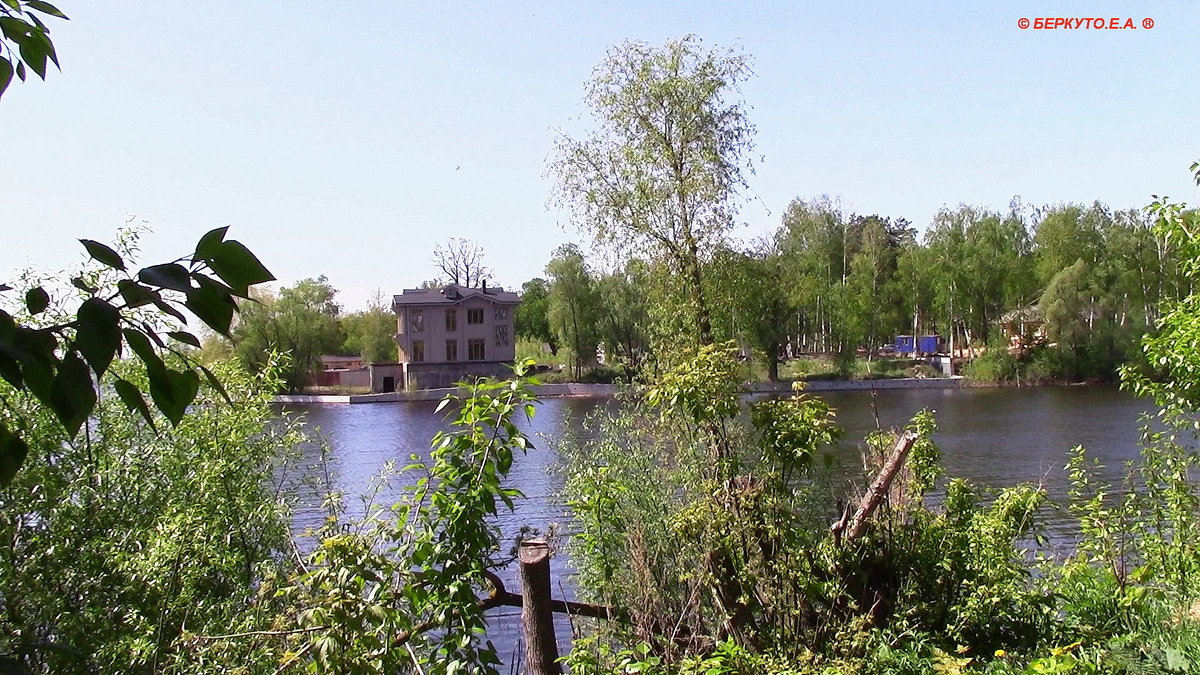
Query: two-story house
{"points": [[453, 333]]}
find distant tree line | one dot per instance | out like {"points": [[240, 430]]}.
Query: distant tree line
{"points": [[827, 282], [304, 321]]}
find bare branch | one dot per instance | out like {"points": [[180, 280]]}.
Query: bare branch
{"points": [[461, 261]]}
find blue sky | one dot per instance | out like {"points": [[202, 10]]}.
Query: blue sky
{"points": [[347, 139]]}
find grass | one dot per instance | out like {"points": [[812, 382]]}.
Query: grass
{"points": [[826, 368], [335, 391], [823, 367], [528, 349]]}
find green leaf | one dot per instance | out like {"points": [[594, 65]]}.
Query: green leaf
{"points": [[212, 303], [13, 451], [184, 337], [6, 75], [131, 396], [41, 35], [172, 276], [238, 267], [140, 344], [103, 254], [72, 396], [82, 285], [20, 70], [46, 8], [135, 294], [98, 333], [36, 300], [10, 370], [1176, 660], [216, 384], [174, 393], [167, 308], [14, 29], [33, 52], [207, 247], [14, 4]]}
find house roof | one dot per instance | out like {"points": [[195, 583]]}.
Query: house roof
{"points": [[453, 294]]}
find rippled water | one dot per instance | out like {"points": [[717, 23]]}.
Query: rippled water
{"points": [[1003, 437], [996, 437]]}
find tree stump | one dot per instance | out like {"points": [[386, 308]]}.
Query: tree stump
{"points": [[537, 612]]}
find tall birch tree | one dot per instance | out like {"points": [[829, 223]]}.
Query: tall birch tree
{"points": [[661, 171]]}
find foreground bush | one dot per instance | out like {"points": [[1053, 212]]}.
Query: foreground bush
{"points": [[123, 541]]}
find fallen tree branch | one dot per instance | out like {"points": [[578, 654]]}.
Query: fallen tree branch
{"points": [[857, 524], [500, 597], [258, 633]]}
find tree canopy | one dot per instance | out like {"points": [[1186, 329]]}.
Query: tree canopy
{"points": [[661, 171], [301, 321], [371, 332]]}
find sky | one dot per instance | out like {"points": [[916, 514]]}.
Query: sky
{"points": [[349, 139]]}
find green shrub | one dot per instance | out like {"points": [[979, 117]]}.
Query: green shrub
{"points": [[703, 526], [122, 544], [994, 365], [604, 375]]}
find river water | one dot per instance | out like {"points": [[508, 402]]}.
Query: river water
{"points": [[995, 437]]}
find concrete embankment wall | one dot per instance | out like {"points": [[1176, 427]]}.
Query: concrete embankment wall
{"points": [[541, 390], [861, 385], [578, 389]]}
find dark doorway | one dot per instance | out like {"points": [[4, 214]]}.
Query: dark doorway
{"points": [[389, 384]]}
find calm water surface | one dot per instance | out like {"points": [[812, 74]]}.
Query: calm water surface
{"points": [[995, 437]]}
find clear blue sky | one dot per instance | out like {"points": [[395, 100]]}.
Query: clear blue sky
{"points": [[347, 139]]}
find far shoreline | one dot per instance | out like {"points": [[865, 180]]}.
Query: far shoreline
{"points": [[584, 390]]}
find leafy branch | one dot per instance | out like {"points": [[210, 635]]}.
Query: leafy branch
{"points": [[62, 364], [25, 42]]}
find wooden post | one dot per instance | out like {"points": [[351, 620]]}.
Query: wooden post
{"points": [[537, 612]]}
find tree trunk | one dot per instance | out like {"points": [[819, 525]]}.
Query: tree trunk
{"points": [[537, 613], [703, 322], [773, 362]]}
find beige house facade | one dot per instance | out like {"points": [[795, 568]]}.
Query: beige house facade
{"points": [[454, 333]]}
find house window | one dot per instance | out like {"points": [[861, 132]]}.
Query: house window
{"points": [[418, 351], [451, 350], [418, 320], [475, 349], [501, 336], [475, 315], [501, 313], [451, 321]]}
